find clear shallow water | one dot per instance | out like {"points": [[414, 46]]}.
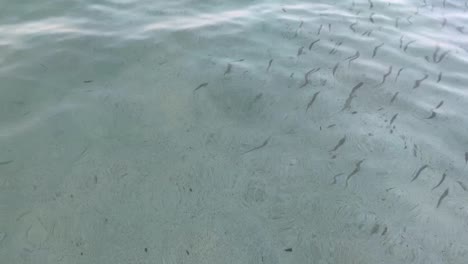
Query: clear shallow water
{"points": [[233, 132]]}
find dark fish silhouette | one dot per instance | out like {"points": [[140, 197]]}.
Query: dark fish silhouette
{"points": [[444, 194], [463, 186], [386, 75], [306, 76], [370, 17], [335, 68], [417, 83], [394, 97], [312, 43], [419, 172], [352, 26], [300, 50], [351, 95], [269, 65], [433, 114], [441, 181], [201, 86], [320, 29], [312, 100], [407, 44], [393, 119], [336, 176], [228, 69], [375, 49], [356, 170], [258, 147], [6, 162], [340, 143], [398, 74]]}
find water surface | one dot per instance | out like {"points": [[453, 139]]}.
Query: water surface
{"points": [[233, 131]]}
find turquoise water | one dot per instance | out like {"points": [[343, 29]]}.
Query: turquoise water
{"points": [[234, 131]]}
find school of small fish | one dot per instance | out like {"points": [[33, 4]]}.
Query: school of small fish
{"points": [[366, 28]]}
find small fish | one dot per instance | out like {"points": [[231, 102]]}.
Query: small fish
{"points": [[436, 51], [444, 22], [375, 49], [320, 29], [340, 143], [312, 100], [312, 43], [433, 114], [401, 41], [332, 125], [442, 56], [417, 83], [415, 150], [398, 74], [439, 105], [201, 86], [394, 97], [306, 76], [441, 181], [329, 27], [462, 185], [257, 97], [439, 77], [258, 147], [284, 10], [335, 68], [269, 65], [352, 26], [336, 176], [407, 44], [351, 95], [371, 18], [386, 75], [444, 194], [352, 58], [300, 50], [367, 32], [6, 162], [228, 69], [419, 172], [371, 5], [288, 250], [393, 118], [356, 170], [466, 157], [333, 51], [88, 81], [408, 19], [384, 231]]}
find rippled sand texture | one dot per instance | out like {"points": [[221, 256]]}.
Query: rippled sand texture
{"points": [[234, 131]]}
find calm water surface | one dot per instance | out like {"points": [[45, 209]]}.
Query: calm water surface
{"points": [[249, 131]]}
